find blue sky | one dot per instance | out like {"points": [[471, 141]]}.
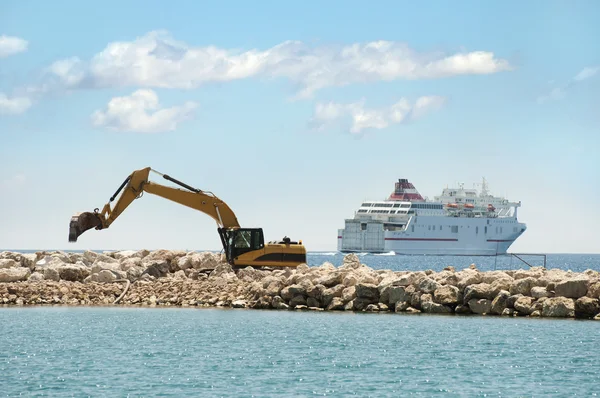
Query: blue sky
{"points": [[295, 113]]}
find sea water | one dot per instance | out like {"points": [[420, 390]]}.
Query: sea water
{"points": [[203, 352]]}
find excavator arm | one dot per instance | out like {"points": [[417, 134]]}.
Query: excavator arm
{"points": [[242, 246], [135, 185]]}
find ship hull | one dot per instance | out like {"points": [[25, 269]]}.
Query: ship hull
{"points": [[432, 236]]}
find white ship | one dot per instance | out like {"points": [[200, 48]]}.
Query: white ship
{"points": [[460, 221]]}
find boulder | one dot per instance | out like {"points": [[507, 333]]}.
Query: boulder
{"points": [[15, 274], [561, 307], [499, 304], [586, 307], [447, 295], [480, 306], [572, 288]]}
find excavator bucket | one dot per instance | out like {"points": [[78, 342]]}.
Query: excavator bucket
{"points": [[81, 222]]}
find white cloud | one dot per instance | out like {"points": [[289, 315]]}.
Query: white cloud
{"points": [[156, 60], [359, 118], [586, 73], [141, 112], [10, 45], [559, 92], [15, 105]]}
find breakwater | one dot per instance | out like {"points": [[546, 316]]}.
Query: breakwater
{"points": [[201, 279]]}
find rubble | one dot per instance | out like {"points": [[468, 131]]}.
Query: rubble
{"points": [[203, 279]]}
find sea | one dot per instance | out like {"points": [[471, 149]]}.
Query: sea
{"points": [[109, 351]]}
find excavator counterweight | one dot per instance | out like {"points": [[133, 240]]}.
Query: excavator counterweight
{"points": [[242, 246]]}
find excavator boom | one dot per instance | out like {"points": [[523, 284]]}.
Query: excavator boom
{"points": [[243, 244]]}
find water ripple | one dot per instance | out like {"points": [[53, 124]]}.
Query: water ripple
{"points": [[245, 353]]}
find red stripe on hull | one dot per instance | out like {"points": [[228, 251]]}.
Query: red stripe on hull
{"points": [[426, 239], [500, 240]]}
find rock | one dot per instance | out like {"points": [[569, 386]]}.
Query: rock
{"points": [[428, 285], [36, 276], [125, 254], [594, 290], [367, 291], [396, 294], [47, 262], [510, 302], [361, 303], [586, 307], [329, 294], [468, 277], [447, 295], [330, 280], [15, 274], [478, 291], [351, 261], [561, 307], [74, 272], [401, 306], [8, 263], [100, 265], [51, 274], [573, 288], [223, 270], [499, 303], [337, 304], [480, 306], [539, 292], [522, 285], [238, 304], [349, 294], [523, 305], [297, 300], [313, 302], [278, 303], [429, 306], [156, 268]]}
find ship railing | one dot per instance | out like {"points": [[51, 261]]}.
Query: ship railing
{"points": [[520, 258]]}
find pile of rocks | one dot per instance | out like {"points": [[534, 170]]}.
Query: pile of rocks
{"points": [[180, 278]]}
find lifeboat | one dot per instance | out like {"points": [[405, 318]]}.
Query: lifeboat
{"points": [[452, 205], [469, 206]]}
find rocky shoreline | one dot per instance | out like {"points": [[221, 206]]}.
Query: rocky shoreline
{"points": [[202, 279]]}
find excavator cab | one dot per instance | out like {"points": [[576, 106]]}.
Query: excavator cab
{"points": [[241, 240], [246, 247]]}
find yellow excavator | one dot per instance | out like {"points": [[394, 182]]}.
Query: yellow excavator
{"points": [[242, 246]]}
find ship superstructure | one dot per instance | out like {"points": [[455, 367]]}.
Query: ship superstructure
{"points": [[460, 221]]}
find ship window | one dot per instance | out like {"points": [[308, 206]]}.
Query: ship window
{"points": [[413, 228], [455, 229], [366, 204], [363, 226], [476, 230], [485, 230], [440, 227], [397, 205]]}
